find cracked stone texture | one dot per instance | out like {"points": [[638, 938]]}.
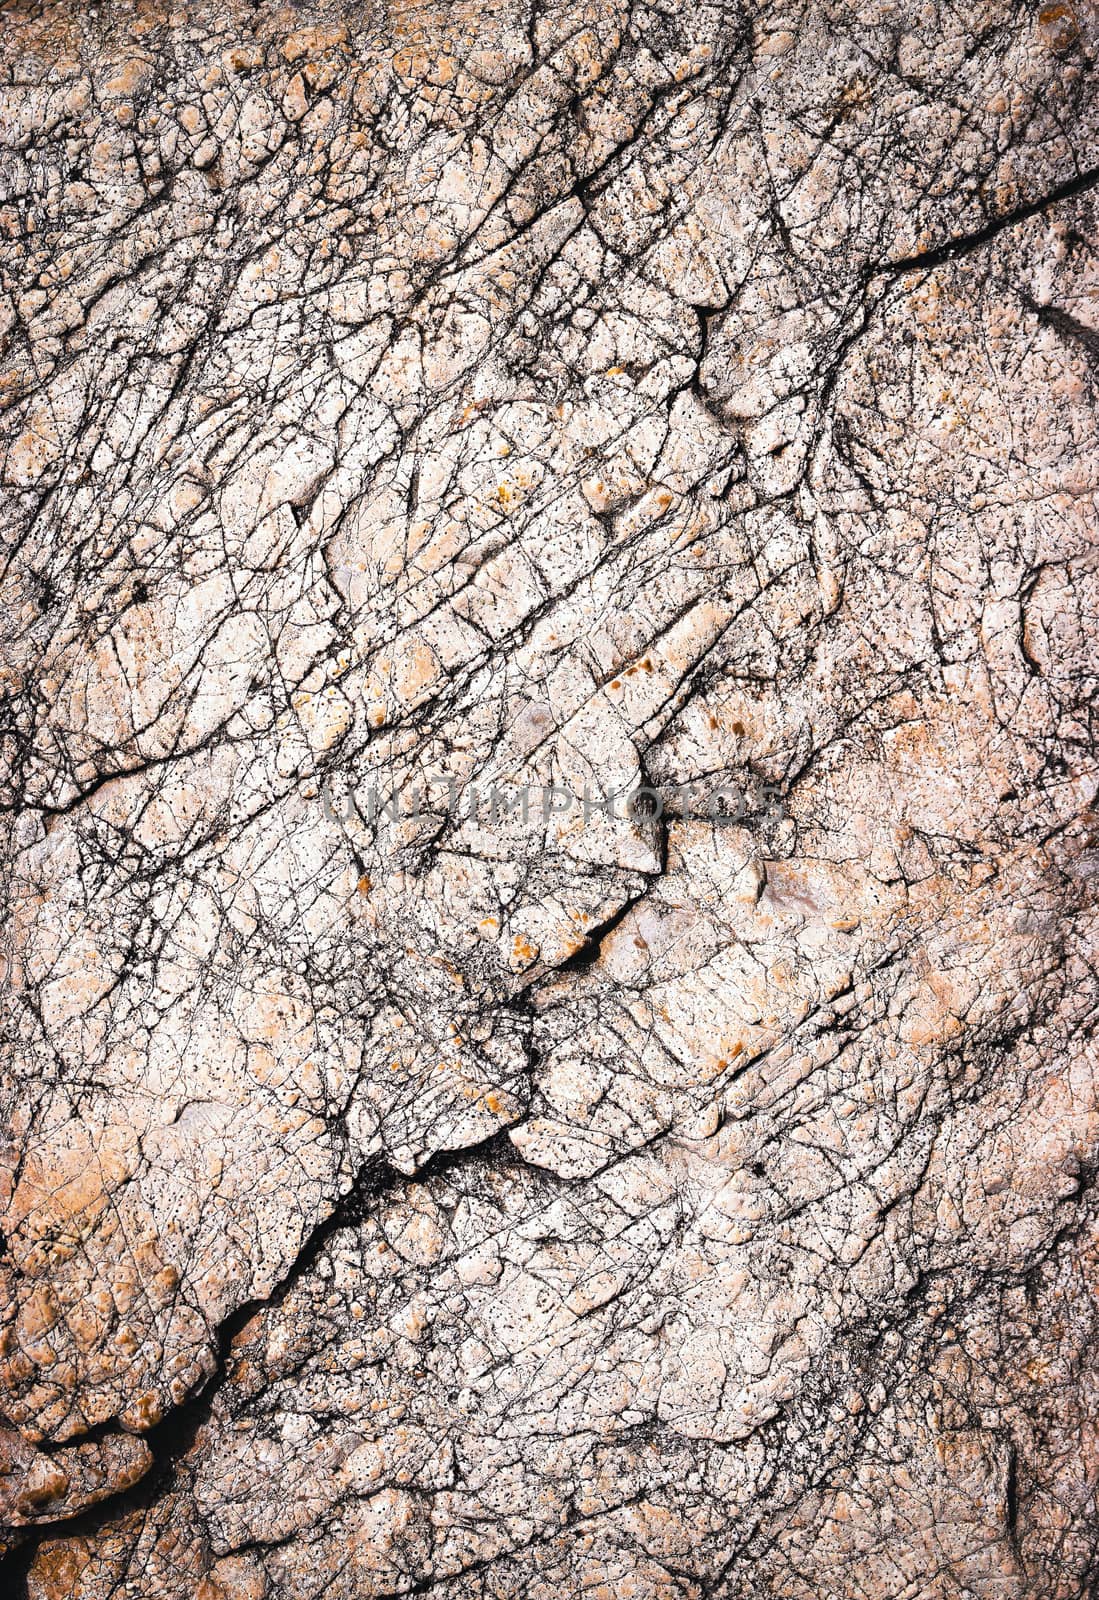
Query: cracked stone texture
{"points": [[549, 392]]}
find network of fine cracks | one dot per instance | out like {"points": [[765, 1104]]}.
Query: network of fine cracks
{"points": [[426, 1169]]}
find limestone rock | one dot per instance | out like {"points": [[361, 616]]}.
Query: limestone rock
{"points": [[550, 590]]}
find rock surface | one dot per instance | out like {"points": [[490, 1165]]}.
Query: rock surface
{"points": [[421, 423]]}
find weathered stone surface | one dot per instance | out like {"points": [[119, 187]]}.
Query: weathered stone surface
{"points": [[420, 423]]}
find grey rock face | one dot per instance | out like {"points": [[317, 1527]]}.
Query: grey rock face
{"points": [[551, 574]]}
